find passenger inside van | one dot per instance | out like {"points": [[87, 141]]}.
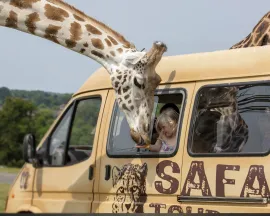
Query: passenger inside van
{"points": [[166, 127], [120, 142]]}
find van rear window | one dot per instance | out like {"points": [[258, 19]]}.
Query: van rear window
{"points": [[120, 143], [231, 120]]}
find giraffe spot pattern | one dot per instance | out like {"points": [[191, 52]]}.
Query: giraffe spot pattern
{"points": [[124, 106], [55, 13], [112, 40], [92, 29], [82, 50], [30, 22], [260, 30], [108, 42], [120, 50], [78, 18], [97, 43], [12, 20], [85, 44], [125, 89], [119, 91], [112, 53], [51, 32], [23, 4], [116, 84], [264, 40], [70, 43], [98, 54], [124, 80], [75, 31]]}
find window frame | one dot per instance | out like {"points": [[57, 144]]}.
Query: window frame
{"points": [[192, 119], [169, 91], [47, 143]]}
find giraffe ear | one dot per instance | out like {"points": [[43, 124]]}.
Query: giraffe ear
{"points": [[134, 57]]}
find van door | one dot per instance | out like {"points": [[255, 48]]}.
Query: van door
{"points": [[226, 160], [136, 180], [66, 181]]}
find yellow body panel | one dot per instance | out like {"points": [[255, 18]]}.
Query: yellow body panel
{"points": [[68, 189]]}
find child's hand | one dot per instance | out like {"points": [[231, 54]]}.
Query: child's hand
{"points": [[144, 146], [161, 135]]}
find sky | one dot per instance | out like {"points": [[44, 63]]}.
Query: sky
{"points": [[28, 62]]}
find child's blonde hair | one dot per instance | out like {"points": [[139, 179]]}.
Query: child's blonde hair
{"points": [[169, 116]]}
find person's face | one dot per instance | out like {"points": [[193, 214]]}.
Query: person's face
{"points": [[168, 129]]}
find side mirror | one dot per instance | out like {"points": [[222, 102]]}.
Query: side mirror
{"points": [[29, 148]]}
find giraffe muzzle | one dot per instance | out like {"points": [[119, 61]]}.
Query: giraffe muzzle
{"points": [[139, 139]]}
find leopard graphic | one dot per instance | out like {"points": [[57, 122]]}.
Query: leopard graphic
{"points": [[24, 179], [130, 188]]}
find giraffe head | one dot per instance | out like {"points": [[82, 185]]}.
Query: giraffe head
{"points": [[218, 97], [134, 81], [132, 72]]}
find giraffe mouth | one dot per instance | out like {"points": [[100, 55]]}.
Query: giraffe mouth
{"points": [[139, 139]]}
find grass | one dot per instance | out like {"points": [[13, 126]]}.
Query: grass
{"points": [[9, 170], [3, 194], [5, 187]]}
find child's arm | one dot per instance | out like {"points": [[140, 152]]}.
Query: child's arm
{"points": [[156, 147]]}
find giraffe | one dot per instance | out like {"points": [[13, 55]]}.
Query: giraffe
{"points": [[219, 126], [132, 72], [259, 36], [223, 129]]}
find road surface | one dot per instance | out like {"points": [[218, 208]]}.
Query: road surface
{"points": [[7, 178]]}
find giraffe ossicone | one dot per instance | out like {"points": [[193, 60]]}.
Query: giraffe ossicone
{"points": [[132, 72]]}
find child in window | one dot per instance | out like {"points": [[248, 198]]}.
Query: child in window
{"points": [[166, 126]]}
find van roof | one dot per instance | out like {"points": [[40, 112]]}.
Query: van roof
{"points": [[233, 63]]}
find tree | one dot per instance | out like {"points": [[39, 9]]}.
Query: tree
{"points": [[44, 117], [16, 120], [4, 92]]}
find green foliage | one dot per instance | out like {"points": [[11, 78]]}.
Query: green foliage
{"points": [[16, 119], [23, 112], [84, 122], [4, 92], [39, 98], [44, 117]]}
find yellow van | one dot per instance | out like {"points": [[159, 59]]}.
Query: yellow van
{"points": [[88, 163]]}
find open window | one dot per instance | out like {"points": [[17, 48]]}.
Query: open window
{"points": [[231, 119], [120, 143], [72, 139]]}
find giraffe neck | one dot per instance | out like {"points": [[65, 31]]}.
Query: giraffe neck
{"points": [[260, 35], [62, 24]]}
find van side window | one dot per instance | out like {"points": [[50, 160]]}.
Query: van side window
{"points": [[73, 138], [231, 119], [120, 142]]}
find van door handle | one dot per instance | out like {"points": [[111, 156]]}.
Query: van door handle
{"points": [[107, 172], [91, 172]]}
